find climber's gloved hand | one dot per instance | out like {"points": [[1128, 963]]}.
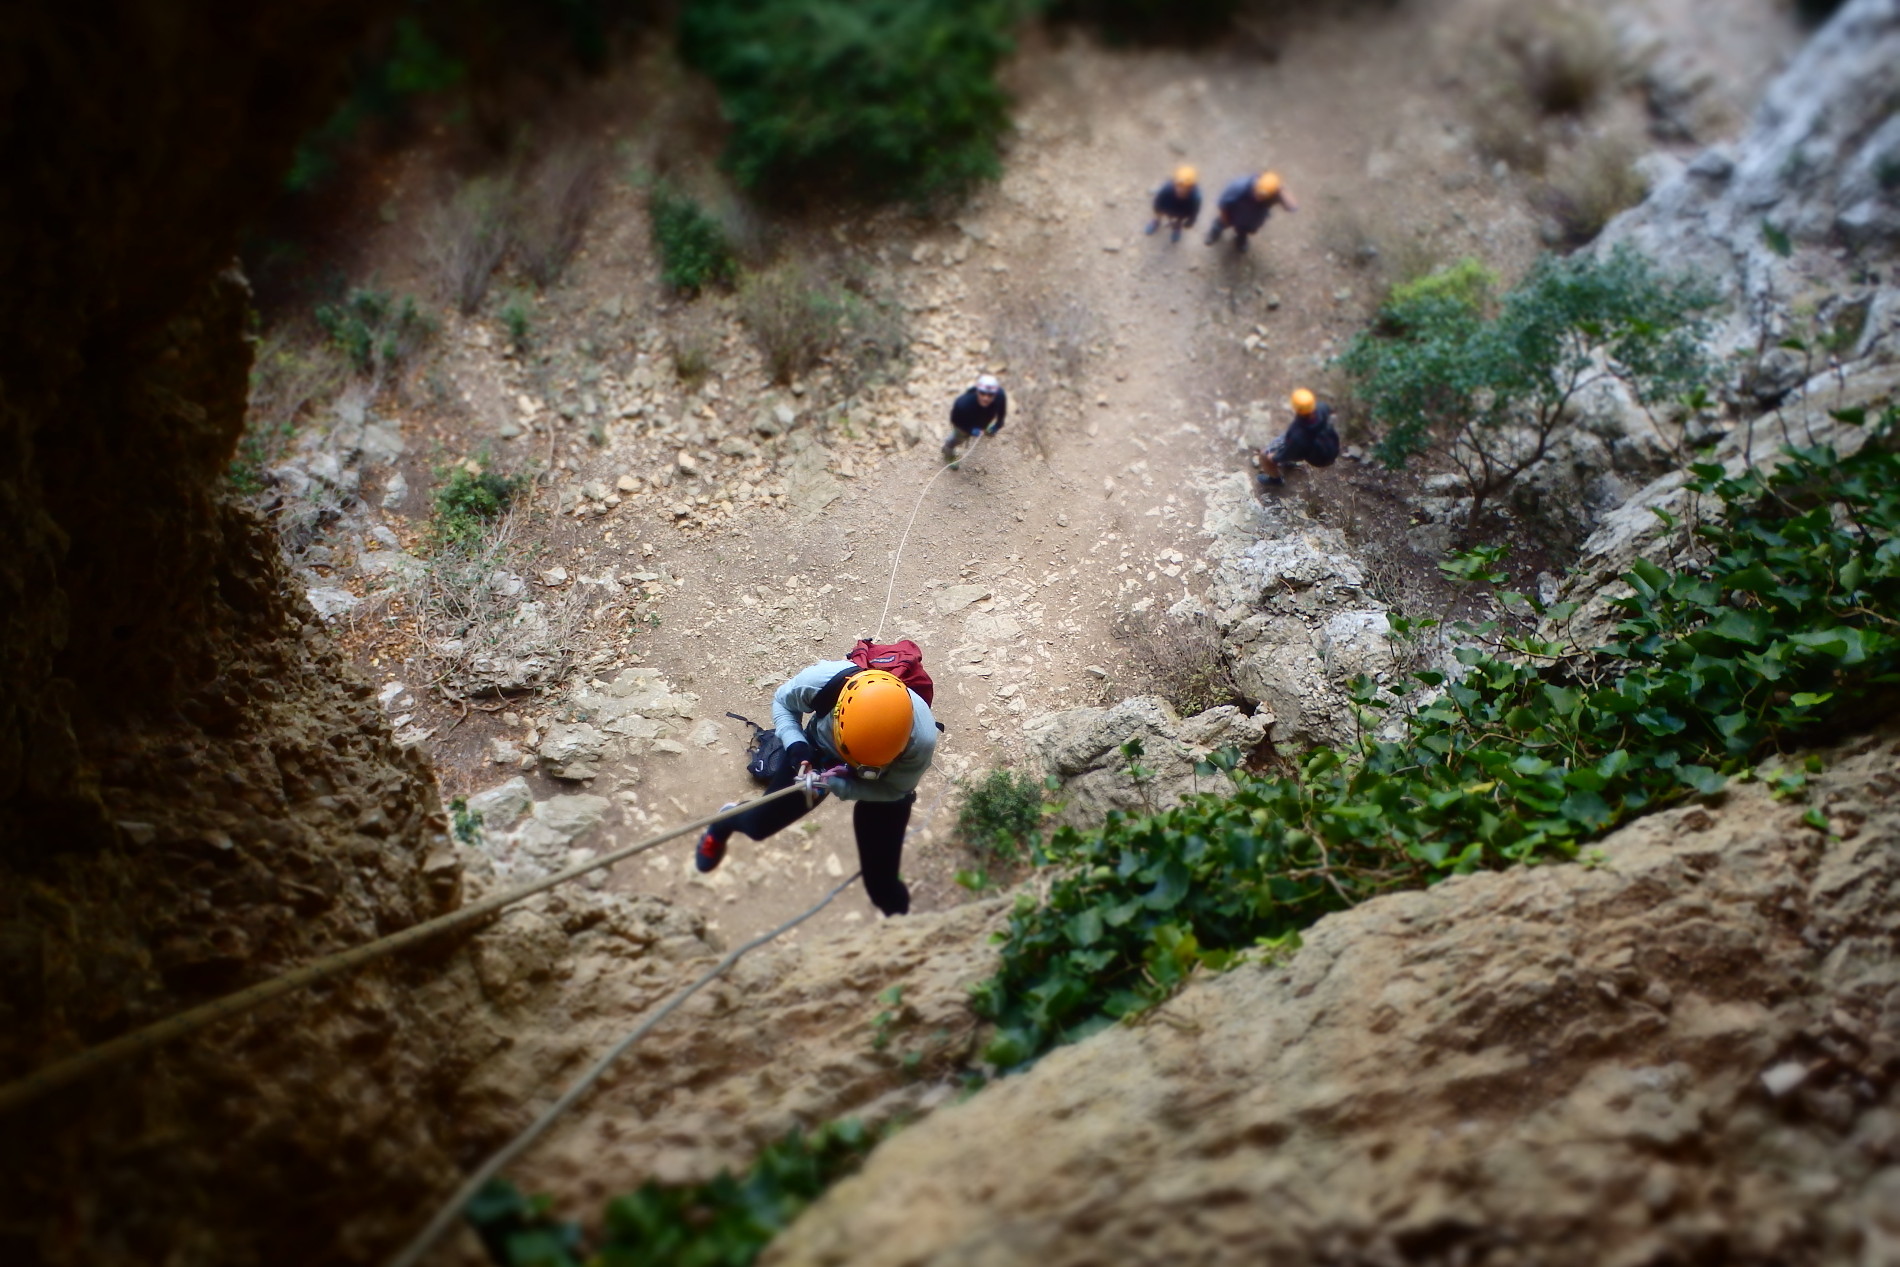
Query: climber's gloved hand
{"points": [[798, 754], [992, 429]]}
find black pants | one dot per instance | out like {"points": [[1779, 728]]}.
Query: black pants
{"points": [[879, 825]]}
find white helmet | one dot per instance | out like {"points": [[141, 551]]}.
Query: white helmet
{"points": [[987, 383]]}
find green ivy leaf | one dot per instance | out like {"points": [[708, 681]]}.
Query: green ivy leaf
{"points": [[1704, 780]]}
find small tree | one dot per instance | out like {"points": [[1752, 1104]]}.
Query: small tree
{"points": [[1489, 380], [871, 98]]}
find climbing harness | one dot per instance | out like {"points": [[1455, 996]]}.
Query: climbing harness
{"points": [[446, 1216], [63, 1072]]}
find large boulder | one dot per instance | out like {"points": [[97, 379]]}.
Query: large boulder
{"points": [[1686, 1051], [1816, 163], [1083, 748]]}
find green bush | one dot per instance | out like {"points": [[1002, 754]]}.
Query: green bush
{"points": [[693, 248], [1536, 749], [869, 98], [468, 504], [518, 319], [1001, 816], [726, 1222], [1489, 390], [373, 329]]}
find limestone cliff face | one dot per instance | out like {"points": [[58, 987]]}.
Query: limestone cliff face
{"points": [[194, 792], [1685, 1051]]}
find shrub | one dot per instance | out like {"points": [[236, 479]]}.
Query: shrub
{"points": [[468, 503], [1563, 55], [725, 1222], [555, 203], [693, 247], [800, 316], [517, 319], [872, 98], [1589, 187], [1181, 658], [374, 330], [290, 372], [465, 239], [1001, 815], [1538, 748], [693, 345], [1490, 390]]}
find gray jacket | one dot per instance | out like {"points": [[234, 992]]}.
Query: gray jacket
{"points": [[792, 701]]}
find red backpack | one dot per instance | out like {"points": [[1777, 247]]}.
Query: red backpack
{"points": [[903, 659]]}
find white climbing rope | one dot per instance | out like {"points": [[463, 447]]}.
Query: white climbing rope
{"points": [[445, 1216], [898, 557], [60, 1073]]}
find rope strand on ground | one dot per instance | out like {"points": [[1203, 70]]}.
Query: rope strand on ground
{"points": [[898, 557], [63, 1072], [446, 1216]]}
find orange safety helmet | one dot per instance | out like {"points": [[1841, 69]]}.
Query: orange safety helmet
{"points": [[872, 719], [1185, 178], [1304, 402], [1267, 185]]}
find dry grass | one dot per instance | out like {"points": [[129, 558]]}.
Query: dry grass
{"points": [[1181, 658], [1589, 186], [465, 239], [1542, 61], [1381, 244], [694, 342], [483, 626], [802, 316], [291, 370]]}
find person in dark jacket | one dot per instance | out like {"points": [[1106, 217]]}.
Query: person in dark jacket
{"points": [[979, 411], [1245, 205], [1178, 202], [1309, 438]]}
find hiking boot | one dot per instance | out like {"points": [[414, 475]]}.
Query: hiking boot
{"points": [[950, 455], [1240, 243], [1174, 234], [1152, 226], [712, 846]]}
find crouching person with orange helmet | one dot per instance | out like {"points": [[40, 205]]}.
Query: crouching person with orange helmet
{"points": [[870, 739], [1309, 438]]}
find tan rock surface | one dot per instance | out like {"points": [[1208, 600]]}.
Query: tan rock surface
{"points": [[1562, 1065], [788, 1039]]}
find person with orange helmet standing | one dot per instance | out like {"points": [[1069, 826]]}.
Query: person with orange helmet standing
{"points": [[1178, 202], [1309, 438], [1244, 206], [869, 739]]}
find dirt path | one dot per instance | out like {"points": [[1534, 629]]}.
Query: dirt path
{"points": [[1131, 365], [1094, 504]]}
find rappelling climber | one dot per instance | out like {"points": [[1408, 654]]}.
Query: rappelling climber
{"points": [[1309, 438], [1178, 201], [1244, 206], [979, 411], [870, 738]]}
